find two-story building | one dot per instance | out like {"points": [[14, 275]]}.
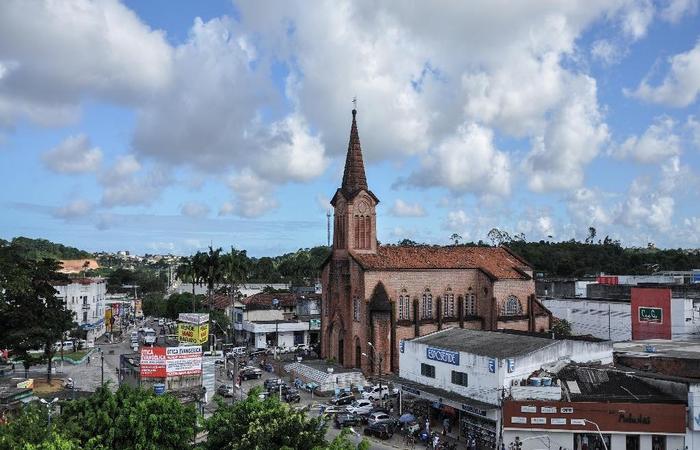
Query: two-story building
{"points": [[85, 297]]}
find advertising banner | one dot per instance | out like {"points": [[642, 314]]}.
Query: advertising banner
{"points": [[108, 318], [650, 314], [192, 334], [193, 318], [153, 362], [445, 356]]}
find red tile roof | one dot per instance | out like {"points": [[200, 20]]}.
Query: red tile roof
{"points": [[77, 265], [496, 262], [285, 299]]}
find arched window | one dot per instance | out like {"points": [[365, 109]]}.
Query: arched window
{"points": [[357, 232], [404, 306], [356, 309], [427, 306], [512, 306], [448, 304], [368, 232], [470, 305]]}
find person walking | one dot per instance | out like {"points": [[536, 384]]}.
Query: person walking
{"points": [[88, 360], [446, 424]]}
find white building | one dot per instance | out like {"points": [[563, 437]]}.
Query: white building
{"points": [[85, 297], [470, 371], [611, 319]]}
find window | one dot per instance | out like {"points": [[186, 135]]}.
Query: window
{"points": [[512, 306], [460, 378], [85, 316], [356, 309], [427, 305], [470, 305], [448, 304], [404, 307], [427, 370]]}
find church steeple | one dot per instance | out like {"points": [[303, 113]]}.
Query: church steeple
{"points": [[354, 178]]}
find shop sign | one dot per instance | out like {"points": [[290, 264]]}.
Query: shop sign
{"points": [[401, 345], [195, 318], [538, 420], [558, 421], [444, 356], [511, 365], [152, 363], [192, 334], [26, 384], [161, 362], [528, 409], [578, 422], [548, 410], [410, 390], [492, 365], [516, 419], [567, 410], [629, 418], [314, 324], [647, 314], [473, 410]]}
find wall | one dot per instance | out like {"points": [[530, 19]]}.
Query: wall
{"points": [[95, 291], [599, 318], [651, 298], [534, 440]]}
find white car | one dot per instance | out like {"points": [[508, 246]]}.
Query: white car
{"points": [[374, 394], [360, 407]]}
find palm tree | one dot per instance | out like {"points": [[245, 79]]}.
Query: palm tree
{"points": [[187, 271], [236, 268], [212, 270]]}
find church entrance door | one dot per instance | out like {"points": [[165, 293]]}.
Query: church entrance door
{"points": [[341, 360]]}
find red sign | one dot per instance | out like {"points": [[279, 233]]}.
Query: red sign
{"points": [[651, 313], [153, 362]]}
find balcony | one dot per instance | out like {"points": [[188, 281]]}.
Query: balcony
{"points": [[86, 306]]}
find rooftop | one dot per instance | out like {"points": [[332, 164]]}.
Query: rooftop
{"points": [[78, 265], [684, 349], [265, 301], [496, 262], [485, 343]]}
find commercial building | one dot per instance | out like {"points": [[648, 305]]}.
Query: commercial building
{"points": [[465, 374], [601, 407], [85, 297]]}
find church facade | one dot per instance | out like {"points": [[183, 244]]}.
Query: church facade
{"points": [[385, 294]]}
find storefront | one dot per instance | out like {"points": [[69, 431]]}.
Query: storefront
{"points": [[595, 425]]}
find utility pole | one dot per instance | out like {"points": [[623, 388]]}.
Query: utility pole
{"points": [[102, 357]]}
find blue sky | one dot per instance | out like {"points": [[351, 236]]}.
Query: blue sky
{"points": [[165, 126]]}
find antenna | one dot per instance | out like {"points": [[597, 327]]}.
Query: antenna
{"points": [[328, 227]]}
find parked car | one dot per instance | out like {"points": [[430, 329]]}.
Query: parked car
{"points": [[344, 398], [219, 362], [298, 348], [292, 395], [373, 393], [225, 390], [361, 406], [282, 387], [346, 420], [271, 383], [263, 395], [333, 409], [248, 373], [382, 417], [380, 430]]}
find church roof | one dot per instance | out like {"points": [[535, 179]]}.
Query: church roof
{"points": [[496, 262], [354, 178], [380, 299]]}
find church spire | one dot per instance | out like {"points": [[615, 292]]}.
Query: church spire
{"points": [[354, 178]]}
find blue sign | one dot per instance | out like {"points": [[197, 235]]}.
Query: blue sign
{"points": [[492, 365], [401, 346], [511, 365], [444, 356]]}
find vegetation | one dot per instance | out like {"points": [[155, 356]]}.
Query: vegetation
{"points": [[146, 280], [561, 327], [42, 248], [31, 316]]}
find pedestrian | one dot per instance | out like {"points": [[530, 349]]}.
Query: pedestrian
{"points": [[446, 424], [88, 360]]}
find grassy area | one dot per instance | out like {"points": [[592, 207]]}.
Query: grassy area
{"points": [[75, 356]]}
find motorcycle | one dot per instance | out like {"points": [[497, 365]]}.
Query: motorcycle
{"points": [[69, 384]]}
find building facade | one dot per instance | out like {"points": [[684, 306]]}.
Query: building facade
{"points": [[85, 297], [385, 294]]}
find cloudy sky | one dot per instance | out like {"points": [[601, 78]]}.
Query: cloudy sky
{"points": [[164, 126]]}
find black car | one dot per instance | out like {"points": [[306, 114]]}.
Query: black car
{"points": [[272, 383], [346, 420], [225, 390], [248, 373], [292, 395], [344, 398], [277, 388], [380, 430]]}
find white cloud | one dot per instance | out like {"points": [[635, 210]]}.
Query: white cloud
{"points": [[570, 141], [74, 155], [53, 55], [126, 183], [606, 52], [675, 10], [253, 196], [636, 18], [693, 126], [587, 207], [645, 208], [73, 210], [194, 209], [457, 220], [405, 209], [466, 162], [656, 144], [680, 86]]}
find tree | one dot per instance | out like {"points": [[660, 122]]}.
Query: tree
{"points": [[31, 316], [28, 428], [498, 237], [562, 327], [407, 243], [455, 238], [236, 266], [212, 270], [591, 235], [262, 424]]}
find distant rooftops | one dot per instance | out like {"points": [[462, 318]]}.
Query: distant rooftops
{"points": [[71, 266], [497, 344]]}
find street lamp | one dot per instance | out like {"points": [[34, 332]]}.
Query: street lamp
{"points": [[372, 360], [49, 406], [605, 446], [102, 358]]}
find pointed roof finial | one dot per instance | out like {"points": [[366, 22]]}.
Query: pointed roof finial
{"points": [[354, 106], [354, 178]]}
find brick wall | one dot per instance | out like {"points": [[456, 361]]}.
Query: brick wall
{"points": [[651, 298]]}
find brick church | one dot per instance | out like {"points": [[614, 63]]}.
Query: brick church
{"points": [[386, 293]]}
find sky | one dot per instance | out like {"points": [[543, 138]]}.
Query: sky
{"points": [[167, 126]]}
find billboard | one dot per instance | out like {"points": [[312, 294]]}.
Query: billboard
{"points": [[193, 318], [192, 334], [162, 362], [651, 313]]}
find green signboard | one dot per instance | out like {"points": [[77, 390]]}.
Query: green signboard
{"points": [[647, 314], [315, 324]]}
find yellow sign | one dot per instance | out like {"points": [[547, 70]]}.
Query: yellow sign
{"points": [[26, 384], [193, 334], [108, 318]]}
